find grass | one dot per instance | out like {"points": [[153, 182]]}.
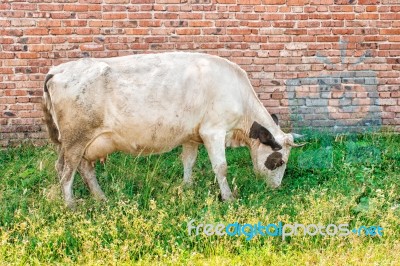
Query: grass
{"points": [[332, 180]]}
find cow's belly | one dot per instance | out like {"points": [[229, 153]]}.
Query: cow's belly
{"points": [[154, 140]]}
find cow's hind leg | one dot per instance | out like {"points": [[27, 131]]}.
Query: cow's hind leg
{"points": [[71, 163], [88, 174], [189, 155], [60, 163], [214, 140]]}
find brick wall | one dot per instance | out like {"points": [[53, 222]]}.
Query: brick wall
{"points": [[321, 63]]}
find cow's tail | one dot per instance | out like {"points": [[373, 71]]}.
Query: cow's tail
{"points": [[48, 110]]}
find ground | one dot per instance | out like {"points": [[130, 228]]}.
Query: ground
{"points": [[332, 180]]}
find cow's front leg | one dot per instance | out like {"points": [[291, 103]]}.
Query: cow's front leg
{"points": [[88, 174], [215, 145], [189, 155]]}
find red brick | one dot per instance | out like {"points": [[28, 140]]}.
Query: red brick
{"points": [[114, 16], [248, 2], [36, 31], [341, 8], [15, 92], [117, 46], [117, 1], [40, 48], [154, 39], [23, 6], [27, 55], [140, 16], [272, 16], [149, 23], [368, 16], [387, 102], [137, 31], [4, 70], [92, 47], [89, 15], [394, 38], [166, 16], [74, 23], [390, 16], [61, 31], [279, 39], [226, 1], [296, 17], [49, 23], [238, 31], [23, 23], [95, 7], [100, 23], [283, 24], [297, 2], [343, 16], [79, 39], [5, 23], [50, 7], [201, 23], [63, 15], [329, 39], [162, 31], [91, 31], [247, 17], [368, 2], [76, 8], [168, 1], [389, 31], [188, 31], [125, 24], [5, 6], [53, 39]]}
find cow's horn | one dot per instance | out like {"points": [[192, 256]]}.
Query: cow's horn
{"points": [[297, 136], [294, 145]]}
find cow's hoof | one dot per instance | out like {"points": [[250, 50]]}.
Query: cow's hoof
{"points": [[100, 197], [187, 184], [71, 205], [226, 198]]}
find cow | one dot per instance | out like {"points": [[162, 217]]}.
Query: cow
{"points": [[151, 103]]}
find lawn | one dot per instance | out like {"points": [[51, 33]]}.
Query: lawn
{"points": [[351, 180]]}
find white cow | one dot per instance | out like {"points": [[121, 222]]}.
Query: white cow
{"points": [[145, 104]]}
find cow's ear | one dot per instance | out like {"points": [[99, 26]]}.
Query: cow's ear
{"points": [[276, 120], [257, 131]]}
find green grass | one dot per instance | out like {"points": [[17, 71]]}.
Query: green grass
{"points": [[347, 179]]}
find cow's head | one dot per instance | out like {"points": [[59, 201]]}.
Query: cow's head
{"points": [[270, 153]]}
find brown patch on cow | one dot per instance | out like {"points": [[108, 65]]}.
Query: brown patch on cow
{"points": [[257, 131], [274, 161]]}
